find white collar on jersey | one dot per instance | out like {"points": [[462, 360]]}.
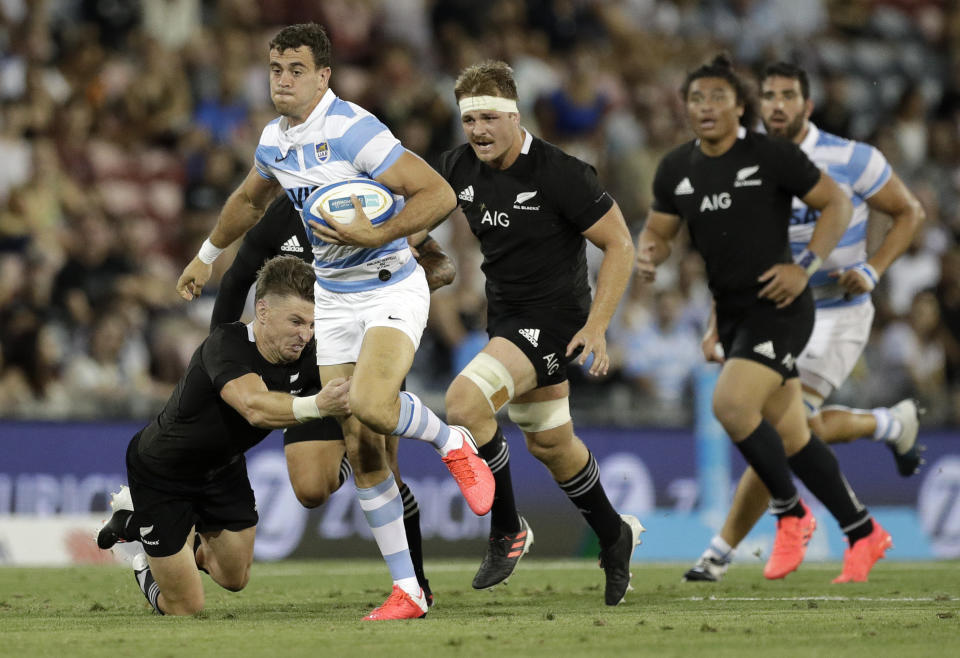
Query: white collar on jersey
{"points": [[813, 135], [250, 332], [527, 141], [288, 137]]}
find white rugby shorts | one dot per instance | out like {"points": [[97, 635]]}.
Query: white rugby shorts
{"points": [[342, 318], [838, 338]]}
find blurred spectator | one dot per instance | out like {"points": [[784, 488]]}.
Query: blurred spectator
{"points": [[124, 125], [111, 376], [88, 280], [833, 113], [914, 357], [660, 357], [917, 269]]}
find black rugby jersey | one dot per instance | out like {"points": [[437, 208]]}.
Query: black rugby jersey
{"points": [[197, 432], [279, 231], [529, 219], [737, 205]]}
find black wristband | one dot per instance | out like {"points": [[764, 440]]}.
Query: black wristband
{"points": [[424, 241]]}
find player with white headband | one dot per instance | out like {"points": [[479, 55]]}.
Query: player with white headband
{"points": [[533, 208]]}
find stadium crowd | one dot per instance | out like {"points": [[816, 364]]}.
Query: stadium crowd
{"points": [[124, 126]]}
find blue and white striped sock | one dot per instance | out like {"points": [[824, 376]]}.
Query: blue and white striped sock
{"points": [[418, 422], [888, 427], [383, 507]]}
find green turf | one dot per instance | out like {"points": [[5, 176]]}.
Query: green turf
{"points": [[550, 608]]}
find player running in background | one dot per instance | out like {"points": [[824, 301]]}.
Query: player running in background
{"points": [[372, 299], [533, 207], [841, 288], [315, 451], [734, 188], [189, 502]]}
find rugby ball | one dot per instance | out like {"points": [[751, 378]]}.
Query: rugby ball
{"points": [[376, 200]]}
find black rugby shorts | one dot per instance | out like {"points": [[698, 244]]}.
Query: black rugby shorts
{"points": [[767, 335], [166, 510], [543, 337], [321, 429]]}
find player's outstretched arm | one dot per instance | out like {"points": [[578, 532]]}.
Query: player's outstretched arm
{"points": [[611, 235], [261, 243], [428, 200], [241, 211], [274, 409]]}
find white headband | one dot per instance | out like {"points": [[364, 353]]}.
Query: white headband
{"points": [[496, 103]]}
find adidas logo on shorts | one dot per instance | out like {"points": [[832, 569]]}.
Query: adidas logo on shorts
{"points": [[765, 349], [466, 194], [533, 335], [292, 244]]}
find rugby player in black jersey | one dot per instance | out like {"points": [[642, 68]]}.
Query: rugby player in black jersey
{"points": [[533, 207], [186, 470], [315, 452], [734, 189]]}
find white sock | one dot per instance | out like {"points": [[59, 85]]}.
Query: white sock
{"points": [[888, 427], [418, 422], [383, 507], [719, 549]]}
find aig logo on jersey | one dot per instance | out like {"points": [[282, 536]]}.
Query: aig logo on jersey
{"points": [[720, 201], [495, 218]]}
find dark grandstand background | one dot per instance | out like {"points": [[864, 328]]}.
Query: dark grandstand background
{"points": [[125, 125]]}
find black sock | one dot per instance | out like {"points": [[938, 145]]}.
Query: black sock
{"points": [[586, 493], [346, 470], [763, 450], [411, 523], [817, 467], [503, 513], [149, 588], [127, 531]]}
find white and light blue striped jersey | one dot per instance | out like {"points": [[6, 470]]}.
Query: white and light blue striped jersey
{"points": [[339, 140], [860, 170]]}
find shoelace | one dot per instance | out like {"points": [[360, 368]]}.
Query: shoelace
{"points": [[459, 464]]}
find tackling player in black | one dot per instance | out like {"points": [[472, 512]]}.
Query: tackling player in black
{"points": [[315, 451], [734, 189], [533, 207], [186, 470]]}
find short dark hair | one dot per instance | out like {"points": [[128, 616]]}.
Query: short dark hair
{"points": [[790, 70], [285, 276], [721, 67], [488, 78], [311, 35]]}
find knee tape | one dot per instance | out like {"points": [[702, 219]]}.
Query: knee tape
{"points": [[540, 416], [493, 379]]}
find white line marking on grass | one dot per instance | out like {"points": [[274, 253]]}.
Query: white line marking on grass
{"points": [[334, 568], [889, 599]]}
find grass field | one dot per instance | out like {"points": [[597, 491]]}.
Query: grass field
{"points": [[550, 608]]}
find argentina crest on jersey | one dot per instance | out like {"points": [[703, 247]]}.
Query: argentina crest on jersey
{"points": [[323, 152]]}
